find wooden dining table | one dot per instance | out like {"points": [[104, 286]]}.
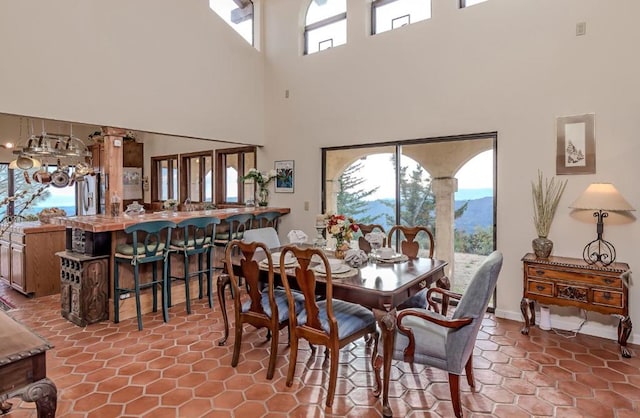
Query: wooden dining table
{"points": [[380, 286]]}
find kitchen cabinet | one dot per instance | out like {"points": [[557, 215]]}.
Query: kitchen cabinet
{"points": [[5, 258], [29, 264]]}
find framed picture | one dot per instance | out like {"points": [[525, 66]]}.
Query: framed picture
{"points": [[576, 145], [284, 181], [132, 183]]}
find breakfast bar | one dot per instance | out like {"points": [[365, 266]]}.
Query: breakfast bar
{"points": [[96, 237]]}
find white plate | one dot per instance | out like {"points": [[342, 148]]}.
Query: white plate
{"points": [[336, 267], [289, 260], [393, 257]]}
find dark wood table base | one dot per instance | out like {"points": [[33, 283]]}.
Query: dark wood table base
{"points": [[43, 393]]}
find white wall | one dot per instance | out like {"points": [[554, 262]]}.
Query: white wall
{"points": [[149, 65], [506, 66]]}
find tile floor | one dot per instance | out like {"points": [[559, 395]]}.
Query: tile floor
{"points": [[178, 370]]}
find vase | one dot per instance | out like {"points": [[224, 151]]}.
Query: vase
{"points": [[341, 248], [542, 247], [262, 196]]}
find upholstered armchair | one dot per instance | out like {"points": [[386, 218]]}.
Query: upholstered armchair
{"points": [[427, 337]]}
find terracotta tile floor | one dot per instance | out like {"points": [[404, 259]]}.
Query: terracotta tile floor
{"points": [[178, 370]]}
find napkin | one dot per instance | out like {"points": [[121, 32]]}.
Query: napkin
{"points": [[356, 258], [375, 238], [297, 237]]}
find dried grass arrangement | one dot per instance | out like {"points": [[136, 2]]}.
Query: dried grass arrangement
{"points": [[546, 195]]}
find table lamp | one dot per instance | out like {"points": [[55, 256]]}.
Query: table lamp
{"points": [[602, 198]]}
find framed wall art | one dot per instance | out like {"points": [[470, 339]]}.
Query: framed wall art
{"points": [[284, 181], [576, 145]]}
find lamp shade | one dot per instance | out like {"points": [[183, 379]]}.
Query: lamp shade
{"points": [[601, 196]]}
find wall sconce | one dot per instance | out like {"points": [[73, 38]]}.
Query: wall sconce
{"points": [[7, 145], [602, 198]]}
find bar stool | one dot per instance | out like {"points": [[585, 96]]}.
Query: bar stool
{"points": [[266, 219], [197, 238], [149, 244]]}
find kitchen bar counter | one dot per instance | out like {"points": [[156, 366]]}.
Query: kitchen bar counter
{"points": [[102, 233], [106, 223]]}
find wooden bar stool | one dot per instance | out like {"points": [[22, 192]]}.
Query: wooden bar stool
{"points": [[197, 239], [149, 244]]}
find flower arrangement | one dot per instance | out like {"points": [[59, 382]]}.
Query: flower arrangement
{"points": [[341, 228], [261, 179], [170, 204]]}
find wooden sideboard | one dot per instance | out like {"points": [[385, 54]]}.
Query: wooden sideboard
{"points": [[565, 281]]}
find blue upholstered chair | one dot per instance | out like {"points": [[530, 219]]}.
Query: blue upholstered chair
{"points": [[147, 242], [268, 236], [426, 337], [330, 322], [196, 236], [365, 229], [266, 307]]}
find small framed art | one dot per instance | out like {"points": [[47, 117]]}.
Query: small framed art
{"points": [[284, 181], [576, 147]]}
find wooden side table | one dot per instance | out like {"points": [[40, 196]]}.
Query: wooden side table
{"points": [[565, 281], [23, 369]]}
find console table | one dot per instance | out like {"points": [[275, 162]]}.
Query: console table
{"points": [[23, 369], [565, 281]]}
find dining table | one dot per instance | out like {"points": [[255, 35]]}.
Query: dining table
{"points": [[380, 285]]}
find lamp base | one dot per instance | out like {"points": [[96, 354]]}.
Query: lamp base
{"points": [[599, 251]]}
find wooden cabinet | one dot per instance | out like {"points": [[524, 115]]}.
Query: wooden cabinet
{"points": [[29, 264], [5, 257], [565, 281], [84, 292]]}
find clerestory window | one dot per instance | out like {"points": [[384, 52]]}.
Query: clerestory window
{"points": [[325, 25], [387, 15], [467, 3], [238, 14]]}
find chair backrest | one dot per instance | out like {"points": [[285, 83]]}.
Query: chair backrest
{"points": [[198, 233], [473, 304], [365, 229], [265, 219], [409, 246], [250, 271], [267, 236], [305, 281], [157, 235], [238, 224]]}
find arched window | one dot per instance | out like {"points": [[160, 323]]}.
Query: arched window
{"points": [[238, 14], [387, 15], [325, 25], [467, 3]]}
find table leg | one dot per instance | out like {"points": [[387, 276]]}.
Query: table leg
{"points": [[529, 313], [387, 323], [43, 393], [223, 281], [624, 330]]}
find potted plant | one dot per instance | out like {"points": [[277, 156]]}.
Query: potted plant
{"points": [[546, 196]]}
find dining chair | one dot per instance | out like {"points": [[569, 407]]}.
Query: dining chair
{"points": [[407, 240], [432, 339], [196, 239], [149, 243], [330, 322], [366, 229], [266, 307], [265, 219], [267, 236]]}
